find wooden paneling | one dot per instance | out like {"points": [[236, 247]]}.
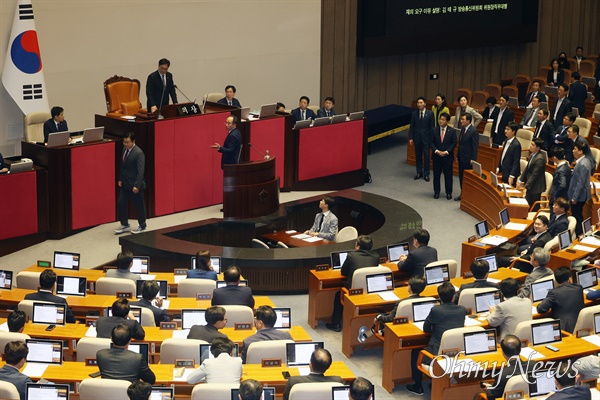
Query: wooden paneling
{"points": [[359, 83]]}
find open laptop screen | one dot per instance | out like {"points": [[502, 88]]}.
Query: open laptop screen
{"points": [[140, 265], [65, 260], [205, 353], [268, 393], [136, 311], [504, 218], [483, 300], [380, 282], [597, 323], [546, 332], [45, 391], [587, 226], [338, 258], [394, 251], [421, 309], [437, 274], [44, 351], [587, 278], [481, 229], [541, 383], [221, 284], [71, 285], [162, 393], [564, 239], [480, 342], [298, 354], [192, 317], [215, 262], [6, 279], [539, 290], [491, 259], [162, 292], [49, 313], [137, 347], [284, 318]]}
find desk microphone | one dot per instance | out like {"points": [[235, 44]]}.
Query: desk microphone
{"points": [[187, 98], [264, 156], [160, 116]]}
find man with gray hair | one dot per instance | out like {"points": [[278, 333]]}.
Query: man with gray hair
{"points": [[539, 259], [250, 390]]}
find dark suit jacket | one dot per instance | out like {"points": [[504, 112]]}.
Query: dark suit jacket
{"points": [[558, 225], [498, 134], [124, 364], [49, 297], [105, 325], [440, 319], [565, 302], [231, 148], [389, 317], [205, 332], [486, 114], [477, 284], [561, 182], [510, 165], [534, 176], [50, 127], [8, 373], [310, 114], [417, 260], [262, 335], [560, 78], [312, 378], [546, 132], [578, 95], [448, 145], [201, 274], [323, 112], [154, 89], [233, 295], [132, 170], [356, 260], [234, 102], [468, 145], [565, 108], [510, 369], [159, 314], [420, 130], [572, 393], [539, 242], [579, 188], [529, 97]]}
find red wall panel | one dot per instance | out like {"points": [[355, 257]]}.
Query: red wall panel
{"points": [[18, 212]]}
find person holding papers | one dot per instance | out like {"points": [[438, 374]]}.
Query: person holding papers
{"points": [[559, 222], [423, 254], [121, 314], [229, 98], [215, 320], [326, 223], [480, 270], [150, 291], [320, 361], [47, 283], [232, 294], [565, 301], [223, 368], [361, 257], [507, 315], [15, 355]]}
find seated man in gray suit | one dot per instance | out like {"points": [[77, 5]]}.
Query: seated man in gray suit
{"points": [[121, 363], [121, 314], [326, 223], [514, 309], [124, 261], [15, 355], [539, 259], [215, 320], [264, 320], [320, 361]]}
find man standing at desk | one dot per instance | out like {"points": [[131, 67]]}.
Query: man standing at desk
{"points": [[131, 184], [230, 151], [443, 143], [468, 145], [55, 124], [326, 223], [159, 86]]}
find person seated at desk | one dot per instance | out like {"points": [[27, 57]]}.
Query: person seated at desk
{"points": [[514, 309], [559, 222], [511, 348], [280, 107], [509, 163], [120, 363], [537, 239], [565, 301], [441, 318], [565, 379], [538, 260], [320, 361], [414, 263], [361, 389], [229, 98], [3, 166], [491, 111], [232, 294], [264, 320], [139, 390], [204, 269], [55, 124], [215, 320], [150, 300], [223, 368], [15, 355], [124, 261], [302, 112], [416, 285], [326, 223], [480, 270], [121, 315], [47, 283], [535, 92], [250, 389], [327, 110], [361, 257], [16, 321]]}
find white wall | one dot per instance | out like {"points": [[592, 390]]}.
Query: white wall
{"points": [[268, 49]]}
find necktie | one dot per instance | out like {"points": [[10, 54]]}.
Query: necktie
{"points": [[303, 114], [58, 126], [422, 115], [442, 135], [328, 113], [126, 154], [229, 102], [163, 79], [322, 217], [462, 133]]}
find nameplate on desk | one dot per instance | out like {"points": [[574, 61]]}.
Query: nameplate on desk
{"points": [[353, 292], [400, 320], [271, 362], [124, 295], [499, 226], [451, 352], [471, 239], [467, 275], [180, 271], [524, 343], [203, 296], [583, 332], [168, 326], [185, 363], [91, 362], [188, 109], [44, 264], [322, 267], [242, 326], [90, 321], [514, 395], [383, 260]]}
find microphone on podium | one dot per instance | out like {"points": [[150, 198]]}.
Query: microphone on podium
{"points": [[264, 156]]}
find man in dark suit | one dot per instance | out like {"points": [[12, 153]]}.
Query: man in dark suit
{"points": [[416, 285], [578, 93], [264, 320], [565, 301], [215, 320], [443, 143], [302, 112], [441, 318], [509, 163], [231, 149], [232, 294], [535, 92], [419, 134], [229, 98], [533, 179], [326, 223], [149, 298], [159, 86], [574, 137], [131, 185], [55, 124], [505, 115], [327, 110], [544, 129], [579, 188], [121, 363], [361, 257], [491, 111], [559, 222], [511, 347], [562, 175], [47, 282], [538, 238], [121, 314], [562, 106], [15, 355], [530, 117], [320, 361], [16, 321], [561, 136], [468, 145], [480, 270], [565, 379], [423, 254]]}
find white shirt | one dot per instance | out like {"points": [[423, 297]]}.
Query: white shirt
{"points": [[223, 369]]}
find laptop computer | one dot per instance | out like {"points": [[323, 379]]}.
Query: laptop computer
{"points": [[6, 278], [357, 115], [302, 124], [215, 261], [191, 317], [49, 313], [421, 309], [338, 118], [564, 239], [513, 102], [338, 258], [298, 354], [221, 284], [480, 342], [485, 140], [483, 301], [284, 318], [47, 391], [544, 105], [589, 80], [476, 168], [575, 111], [504, 217], [546, 332], [22, 166], [491, 259], [494, 179], [138, 347], [587, 278], [245, 113], [205, 353], [539, 290], [394, 251], [321, 121], [541, 383], [71, 285], [44, 351], [587, 226], [267, 110], [481, 229], [597, 323], [162, 284], [66, 260], [91, 135], [136, 311], [162, 393], [377, 283], [58, 139], [437, 274], [268, 393], [140, 265], [551, 90]]}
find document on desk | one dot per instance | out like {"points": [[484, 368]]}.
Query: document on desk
{"points": [[471, 321], [593, 339], [178, 278], [518, 201], [4, 328], [313, 239], [389, 296], [91, 332], [591, 240], [181, 334], [35, 370], [529, 353], [493, 280], [584, 248], [147, 277], [291, 232], [301, 236], [419, 324], [595, 394], [494, 240], [534, 310], [180, 375], [513, 226]]}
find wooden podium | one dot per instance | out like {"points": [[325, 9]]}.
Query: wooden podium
{"points": [[250, 190]]}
